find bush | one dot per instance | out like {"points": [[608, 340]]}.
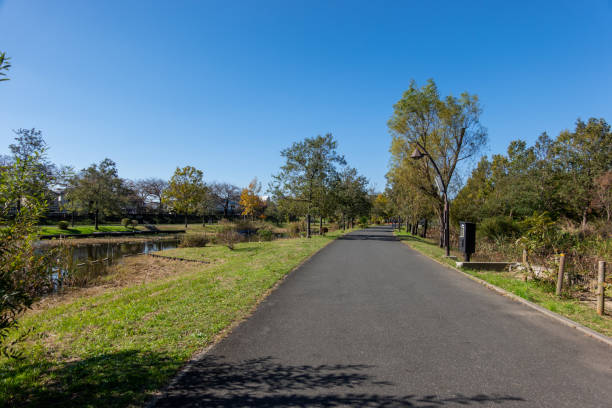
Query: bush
{"points": [[363, 221], [265, 234], [193, 241], [134, 223], [229, 237], [500, 228], [296, 228], [125, 222], [63, 225]]}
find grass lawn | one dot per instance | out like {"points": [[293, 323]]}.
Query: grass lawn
{"points": [[79, 229], [536, 292], [114, 347]]}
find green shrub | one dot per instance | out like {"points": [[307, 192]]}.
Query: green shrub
{"points": [[265, 234], [193, 241], [134, 223], [125, 222], [63, 225], [500, 228], [363, 221]]}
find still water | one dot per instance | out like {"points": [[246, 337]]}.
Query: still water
{"points": [[87, 262]]}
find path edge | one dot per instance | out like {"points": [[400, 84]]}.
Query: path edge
{"points": [[555, 316], [186, 368]]}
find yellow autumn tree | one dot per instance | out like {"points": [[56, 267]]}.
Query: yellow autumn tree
{"points": [[250, 201]]}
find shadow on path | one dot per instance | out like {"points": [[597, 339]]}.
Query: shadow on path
{"points": [[262, 382]]}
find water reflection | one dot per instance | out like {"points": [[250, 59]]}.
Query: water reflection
{"points": [[85, 263]]}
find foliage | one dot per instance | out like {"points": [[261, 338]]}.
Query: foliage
{"points": [[568, 177], [265, 234], [125, 222], [24, 274], [305, 178], [351, 194], [250, 201], [63, 225], [4, 66], [445, 132], [98, 189], [30, 150], [198, 240], [363, 221], [186, 193], [499, 228], [541, 234]]}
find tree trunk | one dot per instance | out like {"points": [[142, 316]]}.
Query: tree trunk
{"points": [[307, 225], [584, 218], [96, 219], [343, 223], [441, 244], [320, 225], [447, 225], [185, 221], [72, 220]]}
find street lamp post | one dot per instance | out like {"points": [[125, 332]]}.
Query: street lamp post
{"points": [[417, 154]]}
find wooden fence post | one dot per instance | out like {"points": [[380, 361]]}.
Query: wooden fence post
{"points": [[560, 274], [524, 257], [601, 276]]}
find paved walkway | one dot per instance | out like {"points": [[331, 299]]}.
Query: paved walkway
{"points": [[368, 322]]}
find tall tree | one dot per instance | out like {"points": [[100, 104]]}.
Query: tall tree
{"points": [[308, 170], [224, 194], [186, 192], [352, 195], [98, 190], [250, 201], [30, 149], [582, 156], [151, 190], [443, 131]]}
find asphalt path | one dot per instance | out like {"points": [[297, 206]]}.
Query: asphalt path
{"points": [[368, 322]]}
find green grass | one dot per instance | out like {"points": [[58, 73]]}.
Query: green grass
{"points": [[116, 348], [534, 291], [80, 229]]}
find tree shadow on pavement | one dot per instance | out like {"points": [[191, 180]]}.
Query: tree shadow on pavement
{"points": [[213, 382]]}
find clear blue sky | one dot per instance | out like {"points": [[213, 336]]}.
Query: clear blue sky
{"points": [[224, 86]]}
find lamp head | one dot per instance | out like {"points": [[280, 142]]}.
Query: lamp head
{"points": [[416, 155]]}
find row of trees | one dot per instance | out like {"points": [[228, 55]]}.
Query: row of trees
{"points": [[568, 177], [100, 191], [315, 181]]}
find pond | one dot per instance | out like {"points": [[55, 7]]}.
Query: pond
{"points": [[90, 261]]}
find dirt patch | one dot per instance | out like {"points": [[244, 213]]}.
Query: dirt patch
{"points": [[135, 270]]}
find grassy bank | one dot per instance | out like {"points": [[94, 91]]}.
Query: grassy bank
{"points": [[115, 345], [540, 293], [80, 229]]}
